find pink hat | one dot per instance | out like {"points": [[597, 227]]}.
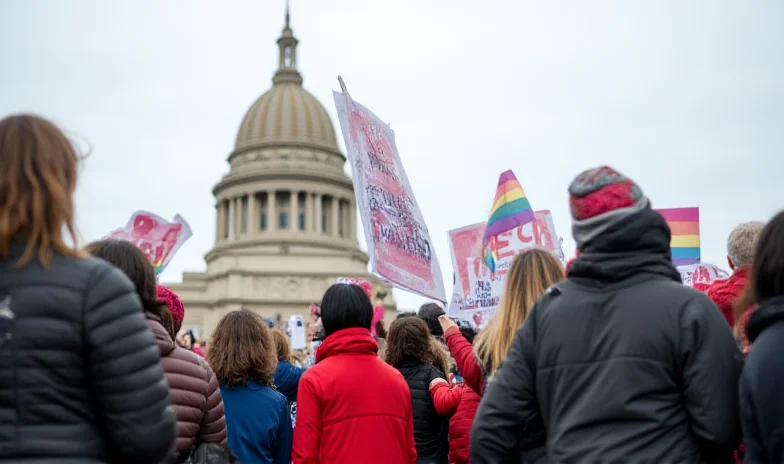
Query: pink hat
{"points": [[378, 315], [173, 302], [364, 284]]}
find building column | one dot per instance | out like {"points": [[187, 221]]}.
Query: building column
{"points": [[272, 219], [308, 212], [335, 216], [352, 220], [319, 200], [293, 211], [232, 225], [218, 221], [253, 225], [238, 216]]}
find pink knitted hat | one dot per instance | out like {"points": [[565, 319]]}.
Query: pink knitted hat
{"points": [[173, 302], [363, 284]]}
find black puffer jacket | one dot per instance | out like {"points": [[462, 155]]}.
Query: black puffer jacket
{"points": [[624, 363], [761, 406], [431, 431], [80, 377]]}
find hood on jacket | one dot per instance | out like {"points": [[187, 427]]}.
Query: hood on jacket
{"points": [[347, 341], [162, 338], [767, 314], [639, 244]]}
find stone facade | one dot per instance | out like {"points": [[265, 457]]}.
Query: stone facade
{"points": [[285, 213]]}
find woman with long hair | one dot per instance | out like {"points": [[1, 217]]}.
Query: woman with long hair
{"points": [[351, 406], [243, 354], [80, 375], [193, 387], [762, 380], [410, 351], [532, 272]]}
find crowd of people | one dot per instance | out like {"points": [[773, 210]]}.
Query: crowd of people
{"points": [[607, 359]]}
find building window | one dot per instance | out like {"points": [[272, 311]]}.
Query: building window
{"points": [[301, 211], [283, 206], [244, 214], [284, 220], [287, 57], [341, 222], [225, 207], [263, 220], [324, 213]]}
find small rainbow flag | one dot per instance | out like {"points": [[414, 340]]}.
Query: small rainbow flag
{"points": [[510, 210], [685, 226]]}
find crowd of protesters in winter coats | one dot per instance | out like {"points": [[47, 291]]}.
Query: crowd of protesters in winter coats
{"points": [[610, 359]]}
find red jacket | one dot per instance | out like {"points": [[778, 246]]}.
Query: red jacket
{"points": [[460, 402], [725, 292], [463, 352], [353, 408]]}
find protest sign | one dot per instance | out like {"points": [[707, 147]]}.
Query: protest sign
{"points": [[701, 275], [157, 238], [399, 245], [477, 291]]}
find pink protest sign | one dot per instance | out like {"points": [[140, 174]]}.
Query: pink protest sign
{"points": [[476, 288], [399, 244], [155, 236]]}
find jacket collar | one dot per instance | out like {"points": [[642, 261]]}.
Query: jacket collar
{"points": [[357, 341], [162, 338]]}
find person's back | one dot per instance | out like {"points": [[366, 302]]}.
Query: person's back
{"points": [[351, 406], [622, 361], [80, 377], [364, 404]]}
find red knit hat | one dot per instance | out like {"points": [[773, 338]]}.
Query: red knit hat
{"points": [[601, 190], [173, 302], [600, 197]]}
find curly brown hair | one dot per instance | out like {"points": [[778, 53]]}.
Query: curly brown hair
{"points": [[408, 340], [242, 349], [282, 345]]}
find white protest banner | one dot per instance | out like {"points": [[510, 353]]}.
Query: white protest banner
{"points": [[702, 274], [477, 292], [158, 238], [399, 245]]}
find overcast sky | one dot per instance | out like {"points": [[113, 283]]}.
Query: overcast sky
{"points": [[684, 97]]}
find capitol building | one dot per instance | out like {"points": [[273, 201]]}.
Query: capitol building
{"points": [[285, 214]]}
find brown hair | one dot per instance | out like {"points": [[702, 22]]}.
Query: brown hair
{"points": [[242, 349], [282, 345], [409, 340], [532, 272], [126, 257], [38, 167]]}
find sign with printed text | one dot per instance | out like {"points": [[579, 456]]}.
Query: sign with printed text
{"points": [[477, 291], [399, 245]]}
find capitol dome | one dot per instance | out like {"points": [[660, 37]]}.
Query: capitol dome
{"points": [[287, 113]]}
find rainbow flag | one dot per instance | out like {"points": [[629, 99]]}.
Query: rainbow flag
{"points": [[685, 226], [510, 210]]}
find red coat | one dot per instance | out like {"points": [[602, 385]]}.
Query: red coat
{"points": [[353, 408], [463, 352], [725, 292], [461, 403]]}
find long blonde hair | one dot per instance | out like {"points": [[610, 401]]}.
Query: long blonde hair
{"points": [[531, 273]]}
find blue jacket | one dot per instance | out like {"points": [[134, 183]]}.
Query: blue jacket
{"points": [[258, 424], [287, 377]]}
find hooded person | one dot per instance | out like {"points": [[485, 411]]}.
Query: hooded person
{"points": [[621, 361]]}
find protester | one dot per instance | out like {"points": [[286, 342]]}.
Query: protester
{"points": [[762, 381], [429, 312], [352, 407], [193, 388], [409, 350], [190, 343], [287, 375], [80, 377], [460, 403], [244, 358], [740, 250], [622, 361]]}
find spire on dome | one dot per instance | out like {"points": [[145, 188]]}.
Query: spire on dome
{"points": [[287, 43]]}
